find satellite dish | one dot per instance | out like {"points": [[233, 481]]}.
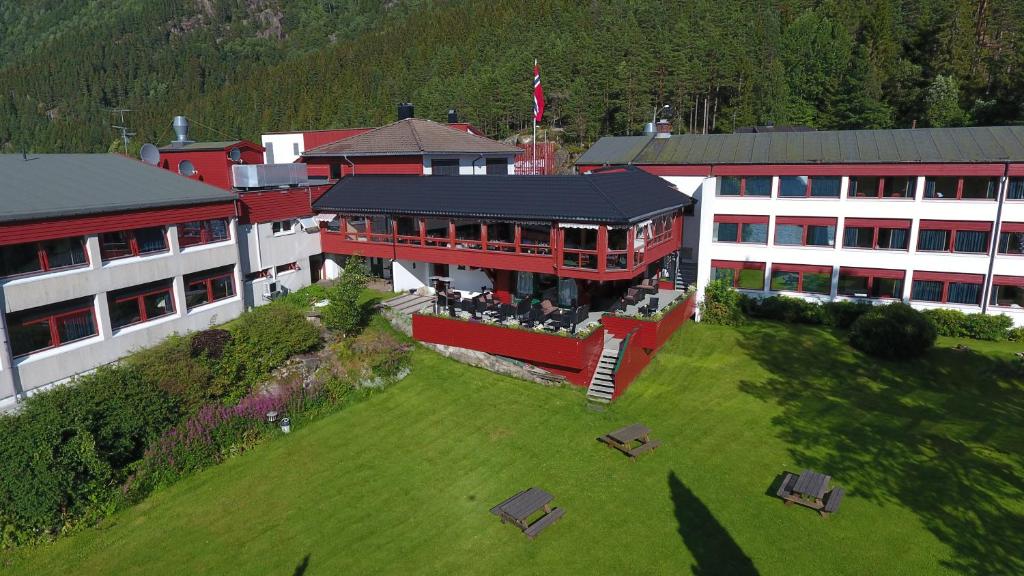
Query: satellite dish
{"points": [[150, 154], [235, 154], [186, 168]]}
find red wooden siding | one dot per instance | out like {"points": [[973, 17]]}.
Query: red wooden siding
{"points": [[315, 138], [35, 230], [271, 205], [212, 166], [367, 165]]}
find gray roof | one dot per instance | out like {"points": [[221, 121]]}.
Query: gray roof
{"points": [[54, 185], [922, 145]]}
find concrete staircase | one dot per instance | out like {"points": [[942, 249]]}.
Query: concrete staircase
{"points": [[602, 384], [686, 274]]}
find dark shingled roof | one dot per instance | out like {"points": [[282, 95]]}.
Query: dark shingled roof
{"points": [[412, 136], [623, 196], [55, 185], [923, 145]]}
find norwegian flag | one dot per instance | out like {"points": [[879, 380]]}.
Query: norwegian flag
{"points": [[538, 94]]}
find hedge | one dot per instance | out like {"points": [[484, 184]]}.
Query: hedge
{"points": [[894, 331], [978, 326]]}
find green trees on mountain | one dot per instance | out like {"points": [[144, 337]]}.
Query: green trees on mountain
{"points": [[241, 67]]}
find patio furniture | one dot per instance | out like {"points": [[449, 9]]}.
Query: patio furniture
{"points": [[809, 489], [520, 507], [633, 295], [623, 439], [649, 285], [547, 308], [651, 307]]}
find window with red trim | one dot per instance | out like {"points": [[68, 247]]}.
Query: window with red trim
{"points": [[961, 188], [947, 288], [209, 286], [742, 275], [140, 304], [1007, 291], [1015, 189], [203, 232], [873, 234], [801, 278], [810, 186], [1011, 238], [801, 231], [128, 243], [740, 228], [948, 236], [579, 248], [44, 256], [50, 326], [881, 187], [745, 186], [871, 282]]}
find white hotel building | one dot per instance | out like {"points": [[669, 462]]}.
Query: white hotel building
{"points": [[932, 217]]}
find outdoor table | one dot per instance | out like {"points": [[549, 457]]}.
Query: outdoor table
{"points": [[520, 507], [631, 433], [810, 488]]}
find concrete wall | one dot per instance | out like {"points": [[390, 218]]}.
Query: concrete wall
{"points": [[914, 209], [261, 249], [35, 371]]}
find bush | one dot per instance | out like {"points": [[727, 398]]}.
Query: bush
{"points": [[721, 305], [304, 298], [172, 367], [784, 309], [63, 455], [343, 313], [956, 324], [894, 331], [843, 313], [1015, 334]]}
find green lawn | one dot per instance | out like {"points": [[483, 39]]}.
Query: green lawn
{"points": [[931, 455]]}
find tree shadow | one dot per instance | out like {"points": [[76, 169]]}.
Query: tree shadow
{"points": [[301, 568], [713, 549], [940, 435]]}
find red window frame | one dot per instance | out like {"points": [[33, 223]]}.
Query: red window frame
{"points": [[953, 226], [807, 188], [871, 274], [740, 220], [51, 321], [743, 187], [138, 297], [800, 270], [1009, 228], [205, 236], [586, 258], [876, 224], [207, 281], [44, 259], [880, 192], [960, 188], [804, 222], [946, 278], [997, 280], [133, 245], [736, 267]]}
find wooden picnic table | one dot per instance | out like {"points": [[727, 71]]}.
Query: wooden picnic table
{"points": [[521, 506], [809, 488], [623, 438]]}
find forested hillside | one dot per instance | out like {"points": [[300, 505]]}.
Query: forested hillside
{"points": [[241, 67]]}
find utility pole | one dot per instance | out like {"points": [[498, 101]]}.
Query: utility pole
{"points": [[123, 128]]}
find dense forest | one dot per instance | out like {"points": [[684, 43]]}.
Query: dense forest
{"points": [[241, 67]]}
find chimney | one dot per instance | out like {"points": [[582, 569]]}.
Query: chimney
{"points": [[649, 129], [181, 131], [453, 116], [663, 128], [406, 110]]}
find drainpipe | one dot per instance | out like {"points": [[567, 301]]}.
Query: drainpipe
{"points": [[350, 163], [1003, 186]]}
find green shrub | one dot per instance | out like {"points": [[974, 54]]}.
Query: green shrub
{"points": [[784, 309], [721, 304], [172, 366], [1015, 334], [957, 324], [894, 331], [843, 313], [64, 454], [304, 298], [344, 313], [262, 339]]}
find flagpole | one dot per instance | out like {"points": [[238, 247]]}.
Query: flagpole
{"points": [[534, 145]]}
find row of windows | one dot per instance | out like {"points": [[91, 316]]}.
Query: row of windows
{"points": [[933, 236], [1007, 291], [59, 324], [935, 187], [51, 255], [445, 167]]}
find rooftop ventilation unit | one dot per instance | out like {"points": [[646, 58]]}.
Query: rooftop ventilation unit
{"points": [[269, 175], [649, 129], [406, 110], [663, 129], [180, 125], [453, 116]]}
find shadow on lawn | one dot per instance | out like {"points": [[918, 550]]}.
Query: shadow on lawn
{"points": [[301, 568], [712, 547], [941, 435]]}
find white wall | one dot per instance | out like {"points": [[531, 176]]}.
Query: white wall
{"points": [[469, 164], [914, 209], [408, 275], [283, 147], [261, 249]]}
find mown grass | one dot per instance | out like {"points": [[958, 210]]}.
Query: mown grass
{"points": [[931, 454]]}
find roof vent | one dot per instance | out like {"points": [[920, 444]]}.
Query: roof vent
{"points": [[663, 129], [649, 129], [406, 110], [453, 116], [181, 131]]}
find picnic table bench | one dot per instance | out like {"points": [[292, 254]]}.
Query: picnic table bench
{"points": [[623, 439], [810, 489], [518, 509]]}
